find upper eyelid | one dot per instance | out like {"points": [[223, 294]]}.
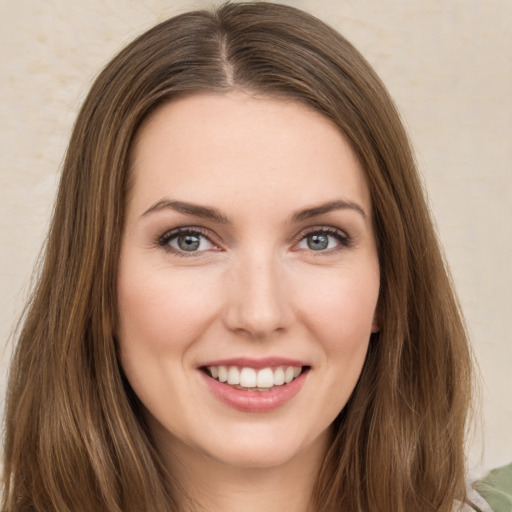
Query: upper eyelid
{"points": [[164, 238], [186, 229], [207, 233], [345, 240], [321, 229], [167, 235], [163, 242]]}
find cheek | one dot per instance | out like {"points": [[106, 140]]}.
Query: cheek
{"points": [[338, 311], [162, 313], [339, 307], [160, 309]]}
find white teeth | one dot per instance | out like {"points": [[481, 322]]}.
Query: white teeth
{"points": [[265, 378], [248, 378], [288, 374], [233, 375], [223, 374], [279, 376], [255, 380]]}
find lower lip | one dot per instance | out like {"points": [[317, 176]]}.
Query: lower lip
{"points": [[255, 401]]}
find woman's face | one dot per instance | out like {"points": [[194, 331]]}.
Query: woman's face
{"points": [[248, 254]]}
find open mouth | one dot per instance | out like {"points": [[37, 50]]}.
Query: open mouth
{"points": [[251, 379]]}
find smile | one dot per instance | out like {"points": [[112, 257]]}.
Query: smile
{"points": [[251, 379], [255, 385]]}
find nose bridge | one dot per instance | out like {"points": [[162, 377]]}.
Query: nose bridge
{"points": [[258, 302]]}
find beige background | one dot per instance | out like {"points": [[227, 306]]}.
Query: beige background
{"points": [[448, 64]]}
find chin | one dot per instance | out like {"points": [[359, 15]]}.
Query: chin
{"points": [[266, 449], [260, 458]]}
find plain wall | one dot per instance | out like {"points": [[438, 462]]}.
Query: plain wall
{"points": [[447, 63]]}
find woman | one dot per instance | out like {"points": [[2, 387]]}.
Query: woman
{"points": [[243, 302]]}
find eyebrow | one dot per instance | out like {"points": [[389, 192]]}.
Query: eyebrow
{"points": [[339, 204], [206, 212]]}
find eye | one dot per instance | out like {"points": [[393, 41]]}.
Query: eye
{"points": [[323, 240], [185, 241]]}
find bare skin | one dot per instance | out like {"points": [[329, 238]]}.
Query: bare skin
{"points": [[248, 248]]}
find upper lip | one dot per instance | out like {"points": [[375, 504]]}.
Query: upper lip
{"points": [[256, 363]]}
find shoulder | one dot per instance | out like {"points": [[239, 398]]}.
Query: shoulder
{"points": [[480, 504]]}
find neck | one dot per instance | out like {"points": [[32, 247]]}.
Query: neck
{"points": [[213, 486]]}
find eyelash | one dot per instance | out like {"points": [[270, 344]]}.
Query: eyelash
{"points": [[345, 241], [166, 238]]}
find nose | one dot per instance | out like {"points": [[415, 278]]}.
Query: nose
{"points": [[258, 303]]}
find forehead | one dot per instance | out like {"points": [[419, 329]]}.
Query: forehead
{"points": [[212, 147]]}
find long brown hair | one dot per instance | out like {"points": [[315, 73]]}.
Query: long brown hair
{"points": [[75, 439]]}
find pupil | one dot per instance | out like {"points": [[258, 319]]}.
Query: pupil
{"points": [[318, 242], [188, 242]]}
